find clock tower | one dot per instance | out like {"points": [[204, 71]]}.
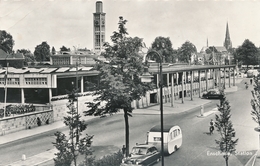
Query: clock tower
{"points": [[99, 26]]}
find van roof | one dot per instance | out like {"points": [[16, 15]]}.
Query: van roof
{"points": [[166, 128]]}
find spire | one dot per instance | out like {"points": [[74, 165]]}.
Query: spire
{"points": [[207, 43], [227, 42], [227, 32]]}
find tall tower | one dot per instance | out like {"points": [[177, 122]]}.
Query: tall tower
{"points": [[227, 42], [99, 27]]}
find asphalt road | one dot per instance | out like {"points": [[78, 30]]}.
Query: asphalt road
{"points": [[199, 148], [108, 135], [197, 144]]}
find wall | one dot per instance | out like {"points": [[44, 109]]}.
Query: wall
{"points": [[25, 121]]}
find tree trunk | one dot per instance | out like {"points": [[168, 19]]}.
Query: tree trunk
{"points": [[126, 133], [226, 161]]}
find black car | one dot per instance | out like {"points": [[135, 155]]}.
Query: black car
{"points": [[212, 94], [142, 155]]}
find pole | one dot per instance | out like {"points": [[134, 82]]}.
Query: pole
{"points": [[6, 73], [77, 136], [161, 108]]}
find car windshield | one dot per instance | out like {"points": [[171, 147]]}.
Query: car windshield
{"points": [[139, 150]]}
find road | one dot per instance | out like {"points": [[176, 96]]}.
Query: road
{"points": [[197, 148], [111, 139]]}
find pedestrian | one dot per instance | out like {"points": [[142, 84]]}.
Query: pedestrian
{"points": [[251, 81], [39, 123], [123, 150], [211, 127]]}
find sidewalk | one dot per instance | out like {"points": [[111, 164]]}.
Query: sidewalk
{"points": [[178, 107]]}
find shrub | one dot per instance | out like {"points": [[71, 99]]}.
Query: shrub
{"points": [[110, 160]]}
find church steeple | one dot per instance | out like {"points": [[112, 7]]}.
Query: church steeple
{"points": [[227, 42]]}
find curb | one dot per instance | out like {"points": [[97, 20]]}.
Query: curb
{"points": [[252, 158], [208, 113]]}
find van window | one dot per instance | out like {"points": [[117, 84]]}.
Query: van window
{"points": [[157, 138]]}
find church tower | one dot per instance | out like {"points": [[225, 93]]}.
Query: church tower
{"points": [[227, 42], [99, 28]]}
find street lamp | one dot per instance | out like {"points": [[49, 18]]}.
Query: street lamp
{"points": [[5, 83], [147, 77]]}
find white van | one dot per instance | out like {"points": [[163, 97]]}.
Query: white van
{"points": [[172, 137], [252, 73]]}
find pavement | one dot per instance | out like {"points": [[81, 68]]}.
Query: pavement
{"points": [[178, 107]]}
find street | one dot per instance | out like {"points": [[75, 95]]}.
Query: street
{"points": [[198, 147]]}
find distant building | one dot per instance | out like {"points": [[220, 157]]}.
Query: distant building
{"points": [[14, 60], [99, 28], [227, 42], [217, 55], [81, 56]]}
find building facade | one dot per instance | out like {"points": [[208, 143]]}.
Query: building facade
{"points": [[99, 26]]}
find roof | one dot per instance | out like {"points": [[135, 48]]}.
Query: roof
{"points": [[218, 48], [166, 128], [221, 48], [6, 56], [143, 145], [43, 70]]}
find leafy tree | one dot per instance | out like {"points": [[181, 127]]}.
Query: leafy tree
{"points": [[69, 149], [214, 55], [53, 51], [6, 42], [119, 83], [225, 128], [164, 47], [247, 53], [63, 48], [28, 56], [185, 52], [255, 102], [42, 52]]}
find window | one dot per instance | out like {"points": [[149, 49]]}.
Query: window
{"points": [[36, 81], [157, 138], [10, 81]]}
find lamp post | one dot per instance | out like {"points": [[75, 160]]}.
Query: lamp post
{"points": [[6, 73], [77, 85], [145, 78]]}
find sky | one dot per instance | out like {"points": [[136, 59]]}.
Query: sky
{"points": [[69, 23]]}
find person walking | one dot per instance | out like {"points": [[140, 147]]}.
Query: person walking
{"points": [[211, 127]]}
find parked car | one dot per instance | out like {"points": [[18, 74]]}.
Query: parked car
{"points": [[142, 155], [212, 94]]}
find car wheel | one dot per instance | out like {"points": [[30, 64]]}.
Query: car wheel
{"points": [[175, 148]]}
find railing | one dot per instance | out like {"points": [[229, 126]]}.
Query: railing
{"points": [[18, 109]]}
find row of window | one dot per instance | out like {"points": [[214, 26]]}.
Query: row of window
{"points": [[61, 61], [36, 81], [175, 133], [28, 81], [10, 81]]}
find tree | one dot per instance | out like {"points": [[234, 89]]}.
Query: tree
{"points": [[255, 102], [225, 129], [69, 149], [214, 56], [186, 51], [63, 48], [164, 47], [53, 51], [247, 53], [6, 42], [42, 52], [28, 56], [119, 82]]}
